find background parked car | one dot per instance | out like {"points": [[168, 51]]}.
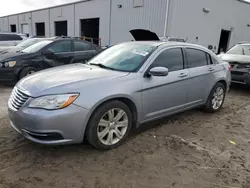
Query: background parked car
{"points": [[11, 39], [239, 59], [120, 88], [45, 54], [22, 45]]}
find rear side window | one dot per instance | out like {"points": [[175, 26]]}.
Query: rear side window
{"points": [[171, 59], [83, 46], [60, 47], [196, 58], [209, 60], [9, 37]]}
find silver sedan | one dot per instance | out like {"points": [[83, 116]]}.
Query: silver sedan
{"points": [[119, 89]]}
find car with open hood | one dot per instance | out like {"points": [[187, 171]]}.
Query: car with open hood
{"points": [[146, 35], [239, 59], [119, 89]]}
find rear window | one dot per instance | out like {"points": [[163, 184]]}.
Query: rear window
{"points": [[240, 50], [9, 37], [83, 46]]}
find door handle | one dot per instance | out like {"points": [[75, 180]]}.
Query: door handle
{"points": [[211, 69], [183, 75]]}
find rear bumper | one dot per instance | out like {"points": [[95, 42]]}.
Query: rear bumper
{"points": [[242, 77]]}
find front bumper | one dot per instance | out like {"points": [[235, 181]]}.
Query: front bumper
{"points": [[65, 126], [8, 74], [240, 76]]}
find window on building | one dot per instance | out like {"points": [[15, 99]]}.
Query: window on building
{"points": [[171, 59], [196, 58], [13, 28]]}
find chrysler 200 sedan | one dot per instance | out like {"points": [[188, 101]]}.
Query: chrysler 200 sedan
{"points": [[119, 89]]}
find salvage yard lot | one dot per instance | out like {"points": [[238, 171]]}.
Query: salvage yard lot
{"points": [[188, 150]]}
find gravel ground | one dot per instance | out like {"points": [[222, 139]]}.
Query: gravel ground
{"points": [[190, 150]]}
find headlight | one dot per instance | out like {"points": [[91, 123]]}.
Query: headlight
{"points": [[10, 64], [53, 102]]}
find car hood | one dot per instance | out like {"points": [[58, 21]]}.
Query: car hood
{"points": [[235, 58], [11, 55], [7, 49], [65, 79], [144, 35]]}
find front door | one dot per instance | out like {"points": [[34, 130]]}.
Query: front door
{"points": [[165, 95], [63, 53]]}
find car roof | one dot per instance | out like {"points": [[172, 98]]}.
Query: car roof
{"points": [[245, 44], [166, 43], [9, 33]]}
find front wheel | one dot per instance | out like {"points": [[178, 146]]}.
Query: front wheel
{"points": [[109, 125], [216, 98], [27, 71]]}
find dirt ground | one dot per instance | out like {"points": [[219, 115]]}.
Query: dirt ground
{"points": [[189, 150]]}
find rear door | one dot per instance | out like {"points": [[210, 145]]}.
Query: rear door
{"points": [[84, 51], [63, 53], [201, 77]]}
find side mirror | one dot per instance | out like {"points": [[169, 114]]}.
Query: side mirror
{"points": [[48, 54], [158, 71]]}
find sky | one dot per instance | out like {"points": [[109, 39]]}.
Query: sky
{"points": [[17, 6]]}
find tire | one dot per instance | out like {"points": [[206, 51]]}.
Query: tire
{"points": [[219, 98], [96, 130], [27, 71]]}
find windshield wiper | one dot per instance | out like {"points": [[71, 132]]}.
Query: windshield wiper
{"points": [[101, 65]]}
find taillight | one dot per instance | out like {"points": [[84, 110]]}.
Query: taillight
{"points": [[230, 68]]}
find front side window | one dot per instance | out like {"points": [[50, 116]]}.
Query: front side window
{"points": [[240, 50], [60, 47], [127, 57], [171, 59], [196, 58]]}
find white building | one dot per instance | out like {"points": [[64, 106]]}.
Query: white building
{"points": [[207, 22]]}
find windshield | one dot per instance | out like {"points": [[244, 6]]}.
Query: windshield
{"points": [[36, 47], [123, 57], [240, 50], [28, 42]]}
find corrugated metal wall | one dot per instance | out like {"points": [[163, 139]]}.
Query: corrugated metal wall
{"points": [[150, 16], [187, 19], [117, 17], [41, 16]]}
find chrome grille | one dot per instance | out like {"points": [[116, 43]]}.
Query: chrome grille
{"points": [[17, 98]]}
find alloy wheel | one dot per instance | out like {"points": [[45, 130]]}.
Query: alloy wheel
{"points": [[113, 126], [218, 98]]}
